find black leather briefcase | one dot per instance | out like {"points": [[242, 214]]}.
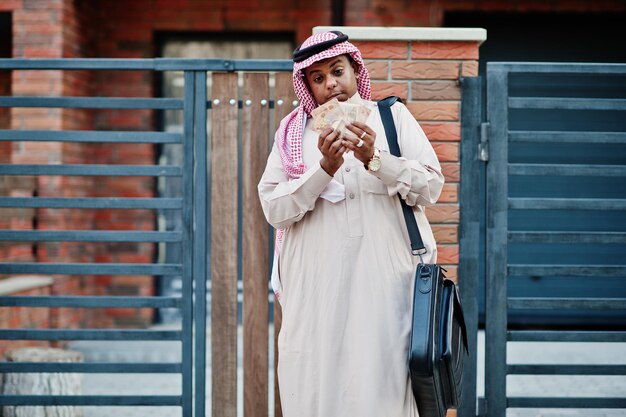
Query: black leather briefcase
{"points": [[438, 343]]}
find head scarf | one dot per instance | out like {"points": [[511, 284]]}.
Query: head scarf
{"points": [[289, 133]]}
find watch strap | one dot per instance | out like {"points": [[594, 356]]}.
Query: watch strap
{"points": [[375, 155]]}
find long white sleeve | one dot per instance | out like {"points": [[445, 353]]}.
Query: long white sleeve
{"points": [[416, 175], [286, 201]]}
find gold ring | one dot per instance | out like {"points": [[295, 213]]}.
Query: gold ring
{"points": [[362, 135]]}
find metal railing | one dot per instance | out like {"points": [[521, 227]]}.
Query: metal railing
{"points": [[506, 128], [206, 211]]}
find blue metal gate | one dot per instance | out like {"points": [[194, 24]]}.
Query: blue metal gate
{"points": [[554, 215], [191, 206]]}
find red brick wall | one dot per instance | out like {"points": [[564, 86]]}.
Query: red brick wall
{"points": [[127, 28], [430, 13]]}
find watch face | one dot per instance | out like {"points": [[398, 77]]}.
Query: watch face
{"points": [[374, 165]]}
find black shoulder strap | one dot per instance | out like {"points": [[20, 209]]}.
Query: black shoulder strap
{"points": [[384, 106]]}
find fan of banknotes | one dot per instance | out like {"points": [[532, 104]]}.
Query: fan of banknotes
{"points": [[337, 115]]}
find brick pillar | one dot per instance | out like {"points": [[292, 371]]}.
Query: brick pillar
{"points": [[37, 32], [67, 29], [51, 29], [423, 66], [5, 122]]}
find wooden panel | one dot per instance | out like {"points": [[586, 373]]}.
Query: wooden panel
{"points": [[255, 262], [284, 91], [224, 246]]}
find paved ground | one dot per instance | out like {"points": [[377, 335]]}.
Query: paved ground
{"points": [[561, 386], [518, 353]]}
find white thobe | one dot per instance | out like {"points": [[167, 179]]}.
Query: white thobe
{"points": [[346, 271]]}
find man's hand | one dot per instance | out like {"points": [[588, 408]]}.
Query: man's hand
{"points": [[332, 150], [360, 134]]}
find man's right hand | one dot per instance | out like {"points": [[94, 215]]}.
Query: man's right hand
{"points": [[332, 151]]}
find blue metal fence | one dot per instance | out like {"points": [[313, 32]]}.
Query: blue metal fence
{"points": [[559, 238], [191, 206]]}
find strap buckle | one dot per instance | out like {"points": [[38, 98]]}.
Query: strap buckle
{"points": [[419, 252]]}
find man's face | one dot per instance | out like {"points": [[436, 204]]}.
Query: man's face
{"points": [[332, 78]]}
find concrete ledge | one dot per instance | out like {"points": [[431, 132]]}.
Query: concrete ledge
{"points": [[18, 284], [380, 33]]}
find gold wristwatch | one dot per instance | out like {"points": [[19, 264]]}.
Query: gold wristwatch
{"points": [[374, 164]]}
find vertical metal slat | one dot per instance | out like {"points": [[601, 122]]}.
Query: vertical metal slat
{"points": [[469, 233], [187, 255], [200, 242], [496, 285]]}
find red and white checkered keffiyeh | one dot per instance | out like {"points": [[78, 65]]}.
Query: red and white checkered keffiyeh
{"points": [[289, 133]]}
